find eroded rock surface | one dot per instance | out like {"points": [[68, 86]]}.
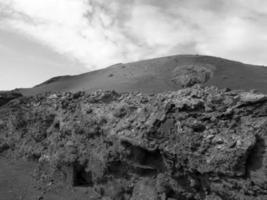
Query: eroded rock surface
{"points": [[189, 75], [5, 97], [197, 143]]}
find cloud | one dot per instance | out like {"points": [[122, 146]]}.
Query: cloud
{"points": [[100, 33]]}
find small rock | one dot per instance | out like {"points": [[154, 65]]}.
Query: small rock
{"points": [[248, 97]]}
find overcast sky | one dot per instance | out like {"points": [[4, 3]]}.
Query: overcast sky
{"points": [[40, 39]]}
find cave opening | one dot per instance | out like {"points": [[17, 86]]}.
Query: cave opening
{"points": [[144, 159], [81, 178]]}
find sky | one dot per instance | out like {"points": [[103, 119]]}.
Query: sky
{"points": [[40, 39]]}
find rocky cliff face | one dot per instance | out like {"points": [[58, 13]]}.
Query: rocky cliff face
{"points": [[196, 143]]}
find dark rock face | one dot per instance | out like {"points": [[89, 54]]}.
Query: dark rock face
{"points": [[5, 97], [197, 143]]}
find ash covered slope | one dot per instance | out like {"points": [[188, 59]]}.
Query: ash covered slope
{"points": [[196, 143], [162, 74]]}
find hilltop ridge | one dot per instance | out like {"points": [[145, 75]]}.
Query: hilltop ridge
{"points": [[160, 75]]}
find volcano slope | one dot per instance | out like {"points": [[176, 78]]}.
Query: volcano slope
{"points": [[161, 75], [199, 143]]}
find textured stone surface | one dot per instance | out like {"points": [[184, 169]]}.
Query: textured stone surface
{"points": [[5, 97], [197, 143]]}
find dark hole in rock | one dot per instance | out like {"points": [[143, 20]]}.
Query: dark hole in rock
{"points": [[170, 193], [125, 169], [3, 147], [256, 156], [141, 158], [117, 168], [149, 172], [198, 127], [81, 177], [57, 125]]}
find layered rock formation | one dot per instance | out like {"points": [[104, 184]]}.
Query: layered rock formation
{"points": [[196, 143]]}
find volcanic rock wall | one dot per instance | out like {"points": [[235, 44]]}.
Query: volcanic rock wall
{"points": [[5, 97], [196, 143]]}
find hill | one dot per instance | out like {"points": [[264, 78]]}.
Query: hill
{"points": [[162, 74]]}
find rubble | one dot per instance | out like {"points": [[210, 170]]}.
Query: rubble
{"points": [[197, 143]]}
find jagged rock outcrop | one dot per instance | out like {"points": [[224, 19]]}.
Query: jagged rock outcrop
{"points": [[5, 97], [196, 143]]}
